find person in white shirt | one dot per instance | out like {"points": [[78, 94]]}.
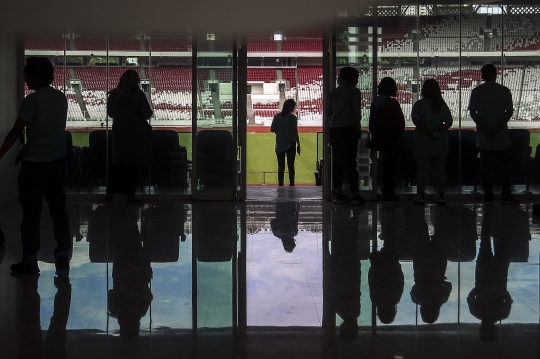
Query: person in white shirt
{"points": [[490, 107], [43, 170]]}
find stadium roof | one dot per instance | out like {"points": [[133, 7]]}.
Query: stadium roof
{"points": [[170, 15]]}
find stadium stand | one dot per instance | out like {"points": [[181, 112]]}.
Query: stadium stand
{"points": [[44, 43], [258, 74], [170, 44]]}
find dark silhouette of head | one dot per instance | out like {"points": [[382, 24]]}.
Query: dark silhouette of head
{"points": [[289, 244], [38, 70], [432, 90], [128, 82], [288, 107], [350, 75], [386, 314], [489, 72], [430, 313], [387, 86]]}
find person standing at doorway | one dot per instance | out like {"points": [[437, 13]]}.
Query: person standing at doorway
{"points": [[432, 119], [128, 106], [285, 126], [345, 115], [491, 107], [386, 125], [43, 169]]}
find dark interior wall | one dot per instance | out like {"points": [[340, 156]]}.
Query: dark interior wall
{"points": [[11, 93]]}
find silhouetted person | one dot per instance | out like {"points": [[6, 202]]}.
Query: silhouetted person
{"points": [[130, 297], [385, 276], [345, 271], [53, 346], [432, 119], [386, 125], [285, 225], [345, 114], [490, 300], [285, 126], [43, 170], [386, 283], [431, 289], [128, 106], [491, 107]]}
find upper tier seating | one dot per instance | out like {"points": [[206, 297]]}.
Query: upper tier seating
{"points": [[44, 43], [259, 74]]}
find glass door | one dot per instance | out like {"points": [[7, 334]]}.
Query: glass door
{"points": [[353, 42], [218, 117]]}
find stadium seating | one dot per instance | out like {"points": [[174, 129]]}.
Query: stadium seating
{"points": [[45, 43], [258, 74]]}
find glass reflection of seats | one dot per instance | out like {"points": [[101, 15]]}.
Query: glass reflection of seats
{"points": [[363, 159], [162, 227], [214, 159]]}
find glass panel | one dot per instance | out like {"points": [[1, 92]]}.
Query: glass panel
{"points": [[354, 47], [86, 66], [216, 151], [169, 80], [216, 254]]}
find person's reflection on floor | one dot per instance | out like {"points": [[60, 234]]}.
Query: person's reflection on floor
{"points": [[385, 275], [54, 346], [431, 289], [32, 344], [130, 297], [489, 300], [31, 340], [285, 225], [345, 270]]}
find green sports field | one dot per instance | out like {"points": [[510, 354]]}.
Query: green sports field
{"points": [[261, 156]]}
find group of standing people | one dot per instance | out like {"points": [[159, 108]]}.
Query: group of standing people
{"points": [[42, 115], [490, 107]]}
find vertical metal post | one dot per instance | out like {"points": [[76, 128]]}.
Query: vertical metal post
{"points": [[242, 115], [375, 51], [460, 96], [194, 89], [329, 79], [234, 151], [107, 132]]}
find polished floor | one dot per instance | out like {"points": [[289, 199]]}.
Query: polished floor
{"points": [[287, 276]]}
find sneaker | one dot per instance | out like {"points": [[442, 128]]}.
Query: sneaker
{"points": [[357, 199], [488, 200], [441, 199], [419, 199], [340, 198], [62, 262], [25, 268], [509, 199], [391, 199]]}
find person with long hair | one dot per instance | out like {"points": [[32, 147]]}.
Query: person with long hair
{"points": [[386, 125], [285, 126], [432, 119], [128, 106]]}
